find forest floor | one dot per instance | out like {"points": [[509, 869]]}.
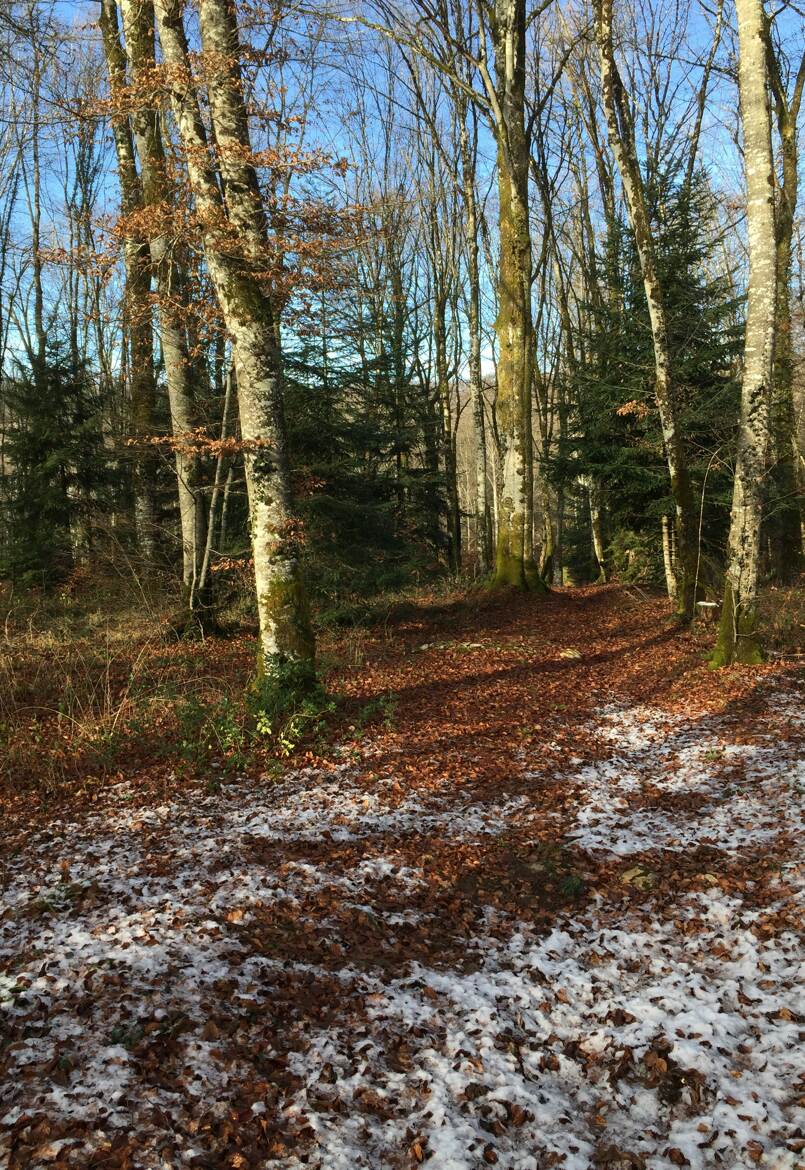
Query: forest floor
{"points": [[542, 912]]}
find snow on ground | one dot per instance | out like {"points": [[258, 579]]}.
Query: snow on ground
{"points": [[146, 987], [653, 753]]}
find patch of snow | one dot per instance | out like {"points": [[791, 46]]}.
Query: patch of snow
{"points": [[667, 1035], [672, 756]]}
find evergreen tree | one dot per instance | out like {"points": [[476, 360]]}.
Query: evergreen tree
{"points": [[54, 450], [364, 490], [615, 434]]}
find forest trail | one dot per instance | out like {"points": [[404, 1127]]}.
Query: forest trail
{"points": [[544, 916]]}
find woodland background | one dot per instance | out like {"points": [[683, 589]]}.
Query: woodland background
{"points": [[401, 609], [356, 170]]}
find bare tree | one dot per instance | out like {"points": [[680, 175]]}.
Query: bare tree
{"points": [[622, 141], [738, 636], [138, 313]]}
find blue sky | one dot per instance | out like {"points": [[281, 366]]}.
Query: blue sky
{"points": [[338, 94]]}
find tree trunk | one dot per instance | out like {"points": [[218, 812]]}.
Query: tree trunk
{"points": [[559, 551], [787, 525], [158, 198], [738, 639], [223, 530], [622, 142], [513, 325], [483, 511], [668, 559], [233, 213], [596, 507], [217, 486], [447, 462], [398, 371], [137, 267]]}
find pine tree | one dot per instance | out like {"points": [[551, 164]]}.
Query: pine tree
{"points": [[356, 450], [614, 434], [55, 450]]}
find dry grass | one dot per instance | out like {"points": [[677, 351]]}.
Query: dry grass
{"points": [[94, 680], [782, 615], [95, 677]]}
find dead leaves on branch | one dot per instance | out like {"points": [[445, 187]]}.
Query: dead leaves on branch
{"points": [[199, 442], [305, 239], [156, 82], [636, 408]]}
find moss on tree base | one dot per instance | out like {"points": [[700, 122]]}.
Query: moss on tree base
{"points": [[738, 640], [284, 614], [513, 572]]}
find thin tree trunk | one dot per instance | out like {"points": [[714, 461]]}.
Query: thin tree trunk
{"points": [[558, 552], [447, 462], [157, 198], [622, 142], [483, 511], [787, 527], [668, 558], [398, 368], [738, 638], [596, 507], [40, 336], [222, 528], [137, 266], [204, 570]]}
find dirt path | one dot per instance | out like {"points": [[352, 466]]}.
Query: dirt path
{"points": [[546, 916]]}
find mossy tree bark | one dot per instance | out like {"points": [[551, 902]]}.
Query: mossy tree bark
{"points": [[159, 200], [738, 636], [622, 142], [232, 218], [513, 326]]}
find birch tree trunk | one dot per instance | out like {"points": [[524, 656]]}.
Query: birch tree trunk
{"points": [[738, 639], [622, 142], [236, 248], [158, 199]]}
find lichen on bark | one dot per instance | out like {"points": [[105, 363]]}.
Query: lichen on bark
{"points": [[230, 207]]}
